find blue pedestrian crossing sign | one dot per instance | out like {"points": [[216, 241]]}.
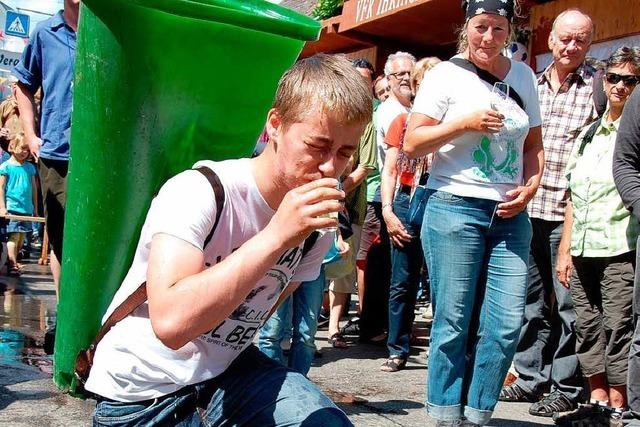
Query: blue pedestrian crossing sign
{"points": [[17, 24]]}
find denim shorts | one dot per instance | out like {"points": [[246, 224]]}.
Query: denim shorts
{"points": [[15, 226]]}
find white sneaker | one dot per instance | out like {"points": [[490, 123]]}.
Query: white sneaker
{"points": [[427, 314]]}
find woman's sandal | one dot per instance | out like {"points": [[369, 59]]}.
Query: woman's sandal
{"points": [[337, 341], [515, 393], [393, 364]]}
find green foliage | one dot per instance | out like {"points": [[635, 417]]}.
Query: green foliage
{"points": [[325, 9]]}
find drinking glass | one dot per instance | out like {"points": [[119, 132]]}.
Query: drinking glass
{"points": [[499, 95], [333, 215]]}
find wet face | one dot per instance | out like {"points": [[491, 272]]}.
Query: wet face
{"points": [[487, 35], [619, 82], [317, 147], [570, 41], [400, 78], [382, 89]]}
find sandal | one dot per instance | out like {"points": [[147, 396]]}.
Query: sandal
{"points": [[352, 327], [393, 364], [515, 393], [555, 402], [14, 271], [337, 341]]}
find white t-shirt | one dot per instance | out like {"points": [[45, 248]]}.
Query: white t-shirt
{"points": [[131, 363], [476, 164], [385, 114]]}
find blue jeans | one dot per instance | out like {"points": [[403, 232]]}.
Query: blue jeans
{"points": [[546, 353], [406, 263], [300, 311], [253, 391], [478, 268]]}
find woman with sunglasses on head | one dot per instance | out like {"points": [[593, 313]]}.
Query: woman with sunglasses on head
{"points": [[488, 161], [597, 251]]}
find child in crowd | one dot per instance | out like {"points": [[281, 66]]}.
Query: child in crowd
{"points": [[17, 197]]}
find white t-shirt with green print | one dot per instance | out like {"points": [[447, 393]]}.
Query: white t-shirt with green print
{"points": [[477, 164]]}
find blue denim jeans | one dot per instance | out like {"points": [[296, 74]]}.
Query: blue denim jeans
{"points": [[478, 269], [546, 353], [406, 263], [300, 311], [253, 391]]}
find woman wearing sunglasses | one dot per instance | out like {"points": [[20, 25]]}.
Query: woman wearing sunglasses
{"points": [[597, 251]]}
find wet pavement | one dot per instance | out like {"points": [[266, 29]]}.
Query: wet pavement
{"points": [[351, 377]]}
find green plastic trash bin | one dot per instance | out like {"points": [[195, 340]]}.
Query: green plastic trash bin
{"points": [[159, 84]]}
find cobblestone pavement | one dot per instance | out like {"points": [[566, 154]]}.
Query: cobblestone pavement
{"points": [[351, 376]]}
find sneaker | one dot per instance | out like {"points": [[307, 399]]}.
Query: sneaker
{"points": [[588, 414], [553, 403], [427, 314]]}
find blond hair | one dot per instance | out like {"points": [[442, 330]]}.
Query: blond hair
{"points": [[421, 67], [17, 143], [323, 83], [463, 37]]}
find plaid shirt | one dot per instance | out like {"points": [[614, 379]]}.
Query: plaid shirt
{"points": [[564, 114], [602, 226]]}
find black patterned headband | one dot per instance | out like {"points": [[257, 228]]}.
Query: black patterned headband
{"points": [[497, 7]]}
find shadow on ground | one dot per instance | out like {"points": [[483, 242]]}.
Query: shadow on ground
{"points": [[500, 422]]}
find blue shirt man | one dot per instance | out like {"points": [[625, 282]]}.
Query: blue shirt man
{"points": [[47, 63]]}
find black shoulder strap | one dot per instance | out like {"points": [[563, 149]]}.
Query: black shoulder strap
{"points": [[486, 76], [588, 136], [309, 242], [84, 359], [599, 96], [218, 191]]}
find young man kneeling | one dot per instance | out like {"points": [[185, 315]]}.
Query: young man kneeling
{"points": [[217, 256]]}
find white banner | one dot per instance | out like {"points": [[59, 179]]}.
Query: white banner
{"points": [[8, 59]]}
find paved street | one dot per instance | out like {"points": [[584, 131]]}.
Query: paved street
{"points": [[351, 376]]}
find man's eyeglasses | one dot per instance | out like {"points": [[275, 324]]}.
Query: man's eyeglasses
{"points": [[628, 81], [400, 74]]}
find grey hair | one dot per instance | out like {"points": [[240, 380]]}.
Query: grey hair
{"points": [[395, 56], [565, 13], [624, 55]]}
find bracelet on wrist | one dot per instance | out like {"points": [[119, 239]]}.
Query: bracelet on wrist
{"points": [[386, 205]]}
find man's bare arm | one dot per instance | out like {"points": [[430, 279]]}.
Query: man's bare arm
{"points": [[27, 118], [355, 178], [186, 300]]}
